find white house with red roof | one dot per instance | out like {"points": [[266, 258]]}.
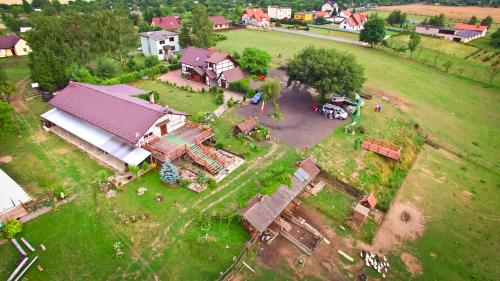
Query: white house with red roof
{"points": [[169, 23], [12, 45], [210, 67], [353, 22], [255, 17]]}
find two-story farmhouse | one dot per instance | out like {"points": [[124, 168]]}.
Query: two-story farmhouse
{"points": [[210, 67], [160, 43], [352, 22], [255, 17], [280, 13], [113, 125]]}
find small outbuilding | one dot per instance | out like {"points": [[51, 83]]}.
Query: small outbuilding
{"points": [[12, 199], [245, 127], [362, 209]]}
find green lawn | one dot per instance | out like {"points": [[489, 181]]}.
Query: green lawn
{"points": [[16, 68], [179, 99], [459, 114]]}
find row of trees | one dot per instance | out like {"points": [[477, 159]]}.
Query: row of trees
{"points": [[61, 42], [487, 21]]}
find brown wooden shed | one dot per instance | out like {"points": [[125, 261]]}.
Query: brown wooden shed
{"points": [[245, 127]]}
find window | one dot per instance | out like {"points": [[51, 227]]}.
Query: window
{"points": [[160, 52], [171, 39], [172, 48], [162, 42], [25, 50]]}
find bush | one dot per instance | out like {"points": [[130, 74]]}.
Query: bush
{"points": [[174, 66], [107, 68], [231, 102], [173, 60], [184, 183], [260, 133], [241, 86], [134, 169], [219, 98], [206, 118], [151, 61], [202, 178], [12, 227], [219, 37]]}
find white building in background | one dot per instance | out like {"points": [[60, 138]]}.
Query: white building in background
{"points": [[277, 12], [160, 43]]}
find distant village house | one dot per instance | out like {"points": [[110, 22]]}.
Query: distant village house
{"points": [[255, 17], [352, 22], [220, 22], [279, 13], [169, 23], [12, 45]]}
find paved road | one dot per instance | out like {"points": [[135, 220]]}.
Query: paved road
{"points": [[321, 36]]}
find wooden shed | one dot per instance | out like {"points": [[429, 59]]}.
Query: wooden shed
{"points": [[245, 127]]}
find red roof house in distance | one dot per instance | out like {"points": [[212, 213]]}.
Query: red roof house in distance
{"points": [[353, 22], [169, 23], [12, 45], [471, 27], [220, 22], [207, 66], [255, 17]]}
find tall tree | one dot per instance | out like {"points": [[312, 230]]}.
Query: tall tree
{"points": [[185, 34], [396, 17], [373, 31], [437, 20], [27, 7], [414, 42], [488, 21], [473, 20], [495, 39], [327, 71], [255, 60], [202, 28], [271, 90]]}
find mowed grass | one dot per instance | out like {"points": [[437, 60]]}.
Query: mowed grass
{"points": [[16, 68], [179, 99]]}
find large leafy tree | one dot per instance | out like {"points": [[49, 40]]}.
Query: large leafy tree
{"points": [[327, 71], [495, 39], [437, 20], [271, 90], [202, 28], [185, 34], [255, 60], [473, 20], [373, 31], [488, 21], [396, 17]]}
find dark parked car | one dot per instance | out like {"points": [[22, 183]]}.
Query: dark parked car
{"points": [[256, 99]]}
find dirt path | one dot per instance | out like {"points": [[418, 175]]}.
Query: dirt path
{"points": [[17, 99]]}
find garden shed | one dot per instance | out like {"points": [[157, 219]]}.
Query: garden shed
{"points": [[245, 127]]}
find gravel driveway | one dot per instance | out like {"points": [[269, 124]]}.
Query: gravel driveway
{"points": [[301, 126]]}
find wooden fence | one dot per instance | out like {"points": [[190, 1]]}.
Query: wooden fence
{"points": [[234, 268]]}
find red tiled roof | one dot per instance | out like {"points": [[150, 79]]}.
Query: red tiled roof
{"points": [[234, 74], [356, 19], [258, 13], [168, 22], [219, 20], [464, 26], [195, 56], [320, 14], [347, 13], [8, 41], [111, 108], [247, 125], [216, 57], [370, 200]]}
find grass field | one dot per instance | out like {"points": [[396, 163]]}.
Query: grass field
{"points": [[458, 13], [16, 68], [179, 99], [459, 114]]}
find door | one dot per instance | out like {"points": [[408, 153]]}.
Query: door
{"points": [[163, 129]]}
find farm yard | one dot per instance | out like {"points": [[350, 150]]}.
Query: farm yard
{"points": [[436, 212], [458, 13]]}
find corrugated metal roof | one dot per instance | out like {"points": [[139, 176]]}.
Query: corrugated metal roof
{"points": [[109, 143], [301, 175], [12, 194]]}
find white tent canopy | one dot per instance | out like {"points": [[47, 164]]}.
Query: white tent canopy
{"points": [[11, 194], [109, 143]]}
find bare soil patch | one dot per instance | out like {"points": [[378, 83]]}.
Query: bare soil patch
{"points": [[464, 12], [17, 99], [403, 222], [301, 127], [5, 159], [391, 97], [412, 264]]}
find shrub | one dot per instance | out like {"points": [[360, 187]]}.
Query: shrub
{"points": [[145, 165], [102, 175], [219, 37], [241, 86], [173, 60], [169, 173], [219, 98], [174, 66], [202, 178], [12, 227], [134, 169], [231, 102], [151, 61], [260, 133], [184, 183], [107, 68], [212, 183]]}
